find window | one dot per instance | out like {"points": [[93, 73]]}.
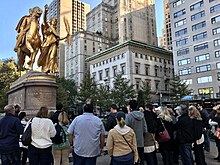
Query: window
{"points": [[182, 42], [137, 68], [216, 31], [182, 52], [179, 13], [211, 0], [201, 47], [199, 36], [218, 76], [185, 71], [156, 71], [205, 90], [214, 8], [181, 32], [123, 68], [100, 75], [218, 65], [198, 26], [198, 15], [106, 72], [206, 79], [136, 55], [114, 71], [196, 5], [216, 42], [147, 70], [180, 23], [203, 68], [184, 62], [177, 3], [157, 85], [217, 53], [215, 19], [202, 57], [137, 83]]}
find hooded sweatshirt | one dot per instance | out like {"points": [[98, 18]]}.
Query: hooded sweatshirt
{"points": [[116, 144], [137, 122]]}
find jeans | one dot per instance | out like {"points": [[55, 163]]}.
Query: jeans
{"points": [[40, 156], [61, 156], [151, 158], [13, 158], [167, 156], [186, 153], [123, 160], [199, 154], [79, 160], [207, 141]]}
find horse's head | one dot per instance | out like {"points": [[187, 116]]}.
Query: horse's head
{"points": [[36, 12]]}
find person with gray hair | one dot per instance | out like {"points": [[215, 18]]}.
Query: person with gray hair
{"points": [[10, 130], [185, 138]]}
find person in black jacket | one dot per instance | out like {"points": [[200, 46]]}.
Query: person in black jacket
{"points": [[185, 138], [111, 119], [10, 130], [54, 117], [198, 135]]}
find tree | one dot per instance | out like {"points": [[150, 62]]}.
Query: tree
{"points": [[103, 96], [140, 98], [66, 92], [179, 88], [122, 91], [88, 89], [146, 91], [8, 74]]}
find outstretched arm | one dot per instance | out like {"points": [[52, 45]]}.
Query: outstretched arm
{"points": [[45, 14]]}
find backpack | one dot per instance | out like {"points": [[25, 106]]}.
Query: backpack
{"points": [[110, 122], [60, 136]]}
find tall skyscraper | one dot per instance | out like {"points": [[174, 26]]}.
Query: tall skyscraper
{"points": [[196, 44], [124, 20], [166, 39], [75, 11]]}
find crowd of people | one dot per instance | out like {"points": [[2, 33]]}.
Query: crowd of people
{"points": [[135, 135]]}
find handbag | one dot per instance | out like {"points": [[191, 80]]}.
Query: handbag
{"points": [[164, 135], [26, 136]]}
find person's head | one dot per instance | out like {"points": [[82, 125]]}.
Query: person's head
{"points": [[88, 108], [217, 110], [165, 114], [43, 112], [141, 109], [149, 107], [133, 104], [114, 108], [63, 118], [182, 109], [194, 113], [199, 106], [17, 108], [158, 110], [9, 109], [22, 115], [53, 21], [120, 117], [59, 106], [88, 101], [50, 114]]}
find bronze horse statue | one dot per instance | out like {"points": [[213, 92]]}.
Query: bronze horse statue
{"points": [[28, 39]]}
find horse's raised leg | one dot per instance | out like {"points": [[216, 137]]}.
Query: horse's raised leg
{"points": [[33, 56]]}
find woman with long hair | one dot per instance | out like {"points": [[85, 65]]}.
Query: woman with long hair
{"points": [[165, 121], [61, 151], [40, 150], [195, 115], [121, 143]]}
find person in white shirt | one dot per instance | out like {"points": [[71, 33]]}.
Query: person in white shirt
{"points": [[40, 150]]}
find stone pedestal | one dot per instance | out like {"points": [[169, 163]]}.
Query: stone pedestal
{"points": [[32, 91]]}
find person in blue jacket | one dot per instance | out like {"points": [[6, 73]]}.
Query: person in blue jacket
{"points": [[10, 130]]}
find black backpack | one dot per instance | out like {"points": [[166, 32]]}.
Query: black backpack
{"points": [[60, 136]]}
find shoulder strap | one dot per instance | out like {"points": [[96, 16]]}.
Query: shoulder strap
{"points": [[127, 143], [163, 124]]}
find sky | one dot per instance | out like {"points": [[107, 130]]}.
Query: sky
{"points": [[12, 10]]}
